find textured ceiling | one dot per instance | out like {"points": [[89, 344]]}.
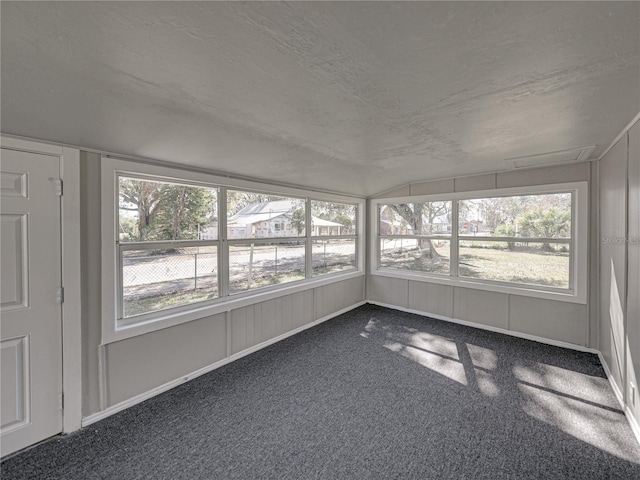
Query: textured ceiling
{"points": [[354, 97]]}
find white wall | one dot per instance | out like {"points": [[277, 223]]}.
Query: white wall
{"points": [[120, 373], [619, 173], [559, 321]]}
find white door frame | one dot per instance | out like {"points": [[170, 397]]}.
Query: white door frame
{"points": [[71, 273]]}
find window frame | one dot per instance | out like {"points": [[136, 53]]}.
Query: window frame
{"points": [[158, 244], [115, 328], [577, 291], [357, 236]]}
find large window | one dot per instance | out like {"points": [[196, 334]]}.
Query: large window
{"points": [[186, 245], [333, 233], [167, 245], [266, 240], [415, 236], [519, 239]]}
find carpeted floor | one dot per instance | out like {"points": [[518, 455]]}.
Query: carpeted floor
{"points": [[372, 394]]}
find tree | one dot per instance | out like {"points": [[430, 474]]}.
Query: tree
{"points": [[546, 223], [298, 220], [165, 211], [142, 197], [183, 209], [415, 213]]}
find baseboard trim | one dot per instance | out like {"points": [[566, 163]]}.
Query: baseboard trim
{"points": [[633, 421], [526, 336], [614, 386], [107, 412], [635, 426]]}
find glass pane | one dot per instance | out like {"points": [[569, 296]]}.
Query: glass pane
{"points": [[542, 216], [256, 215], [328, 218], [151, 210], [331, 256], [427, 218], [260, 265], [520, 262], [157, 279], [422, 255]]}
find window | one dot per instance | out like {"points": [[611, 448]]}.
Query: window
{"points": [[255, 259], [167, 245], [515, 240], [333, 235], [520, 239], [179, 245], [415, 236]]}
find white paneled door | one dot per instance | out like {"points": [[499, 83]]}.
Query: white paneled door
{"points": [[31, 313]]}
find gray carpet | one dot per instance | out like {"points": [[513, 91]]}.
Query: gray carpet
{"points": [[372, 394]]}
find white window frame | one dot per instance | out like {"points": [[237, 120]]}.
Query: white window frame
{"points": [[357, 236], [113, 168], [577, 291]]}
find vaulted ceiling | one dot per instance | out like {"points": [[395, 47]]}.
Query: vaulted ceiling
{"points": [[354, 97]]}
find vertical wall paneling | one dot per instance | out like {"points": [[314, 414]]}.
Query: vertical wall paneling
{"points": [[561, 321], [593, 255], [482, 307], [139, 364], [574, 172], [389, 290], [90, 253], [613, 220], [475, 183], [632, 339], [431, 297]]}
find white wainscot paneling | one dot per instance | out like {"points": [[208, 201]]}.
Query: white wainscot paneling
{"points": [[388, 290], [258, 323], [480, 306], [139, 364], [337, 296], [562, 321], [431, 298]]}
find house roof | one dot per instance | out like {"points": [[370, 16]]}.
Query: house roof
{"points": [[261, 212]]}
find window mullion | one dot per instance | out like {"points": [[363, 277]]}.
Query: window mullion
{"points": [[309, 241], [223, 249], [454, 251]]}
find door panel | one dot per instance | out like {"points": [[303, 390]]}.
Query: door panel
{"points": [[31, 317]]}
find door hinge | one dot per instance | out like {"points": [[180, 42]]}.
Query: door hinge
{"points": [[60, 295], [59, 187]]}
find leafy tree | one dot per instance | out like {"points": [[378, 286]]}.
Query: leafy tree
{"points": [[298, 220], [144, 198], [415, 213], [549, 223], [164, 211], [183, 209]]}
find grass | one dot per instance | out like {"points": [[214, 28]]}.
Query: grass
{"points": [[139, 305], [528, 265]]}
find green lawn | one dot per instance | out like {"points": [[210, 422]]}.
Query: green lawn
{"points": [[523, 265]]}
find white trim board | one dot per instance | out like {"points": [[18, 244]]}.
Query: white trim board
{"points": [[90, 419], [633, 421]]}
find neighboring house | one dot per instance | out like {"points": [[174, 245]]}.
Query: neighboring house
{"points": [[325, 227], [274, 219]]}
